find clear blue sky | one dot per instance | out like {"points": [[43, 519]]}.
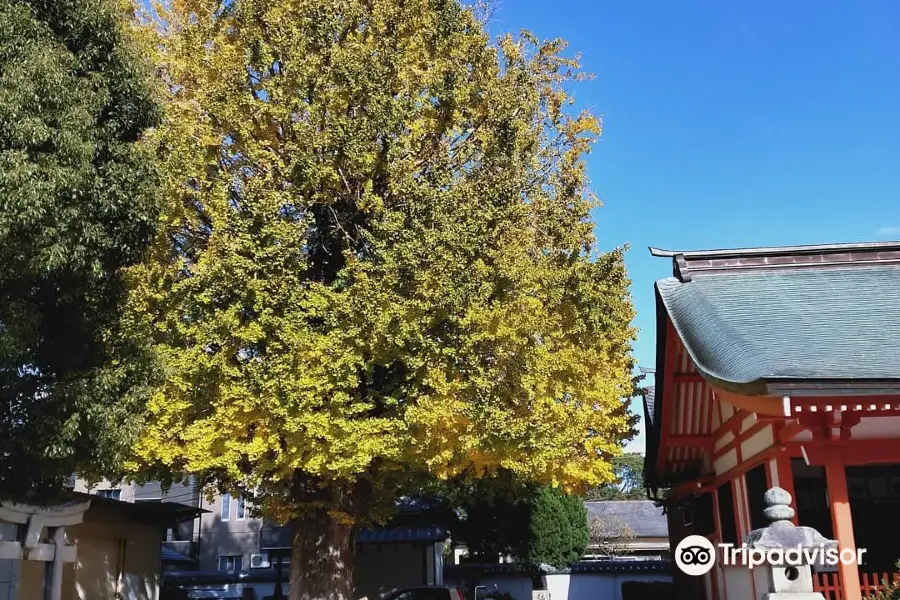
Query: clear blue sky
{"points": [[732, 124]]}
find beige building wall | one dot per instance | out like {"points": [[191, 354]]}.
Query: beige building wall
{"points": [[117, 559], [126, 490]]}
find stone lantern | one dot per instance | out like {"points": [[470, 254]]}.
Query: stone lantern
{"points": [[787, 581]]}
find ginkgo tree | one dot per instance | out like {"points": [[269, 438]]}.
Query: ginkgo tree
{"points": [[375, 263]]}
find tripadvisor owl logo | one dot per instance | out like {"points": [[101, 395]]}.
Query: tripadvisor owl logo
{"points": [[695, 555]]}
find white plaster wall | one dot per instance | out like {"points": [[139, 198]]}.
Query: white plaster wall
{"points": [[726, 462], [761, 582], [517, 585], [748, 422], [876, 428], [723, 440], [591, 586], [563, 586], [738, 583], [758, 442], [727, 411], [720, 580]]}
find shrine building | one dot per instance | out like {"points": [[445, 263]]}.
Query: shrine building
{"points": [[779, 367]]}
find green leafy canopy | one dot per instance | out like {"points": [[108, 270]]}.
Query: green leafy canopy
{"points": [[77, 205]]}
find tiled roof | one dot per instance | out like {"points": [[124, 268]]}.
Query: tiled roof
{"points": [[397, 535], [748, 331], [643, 517]]}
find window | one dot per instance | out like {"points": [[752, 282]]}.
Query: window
{"points": [[231, 563], [725, 497], [226, 507], [756, 490], [112, 494], [241, 509]]}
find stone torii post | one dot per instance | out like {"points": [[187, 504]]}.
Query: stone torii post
{"points": [[42, 537]]}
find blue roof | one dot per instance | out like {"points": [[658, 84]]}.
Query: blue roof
{"points": [[396, 535], [169, 555], [612, 565]]}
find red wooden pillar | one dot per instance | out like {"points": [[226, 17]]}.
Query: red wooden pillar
{"points": [[780, 474], [839, 499]]}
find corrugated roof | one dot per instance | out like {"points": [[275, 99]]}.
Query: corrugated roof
{"points": [[643, 517], [747, 330]]}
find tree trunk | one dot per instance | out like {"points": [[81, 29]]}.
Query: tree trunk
{"points": [[321, 558]]}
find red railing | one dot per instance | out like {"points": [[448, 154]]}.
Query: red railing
{"points": [[829, 584]]}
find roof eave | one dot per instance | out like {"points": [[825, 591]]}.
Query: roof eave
{"points": [[776, 250], [798, 387]]}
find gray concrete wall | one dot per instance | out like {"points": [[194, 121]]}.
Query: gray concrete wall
{"points": [[224, 534]]}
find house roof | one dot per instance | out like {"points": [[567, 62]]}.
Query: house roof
{"points": [[642, 517], [397, 535], [154, 512], [764, 321], [612, 565], [171, 556]]}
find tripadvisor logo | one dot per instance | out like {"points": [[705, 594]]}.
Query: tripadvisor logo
{"points": [[696, 555]]}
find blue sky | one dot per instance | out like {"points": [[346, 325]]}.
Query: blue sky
{"points": [[733, 123]]}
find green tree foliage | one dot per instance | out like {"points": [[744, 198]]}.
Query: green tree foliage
{"points": [[376, 262], [629, 483], [558, 529], [542, 526], [77, 204]]}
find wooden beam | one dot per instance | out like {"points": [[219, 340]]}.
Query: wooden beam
{"points": [[789, 431], [669, 395], [739, 438], [836, 482], [853, 452]]}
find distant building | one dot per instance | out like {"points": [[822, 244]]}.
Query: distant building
{"points": [[226, 540], [645, 525]]}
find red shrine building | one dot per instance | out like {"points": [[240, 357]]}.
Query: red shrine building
{"points": [[779, 367]]}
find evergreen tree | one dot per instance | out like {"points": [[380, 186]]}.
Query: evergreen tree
{"points": [[558, 532], [542, 526], [77, 205]]}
